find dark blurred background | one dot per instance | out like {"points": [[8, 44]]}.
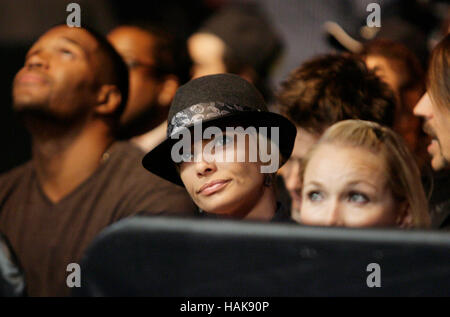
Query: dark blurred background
{"points": [[300, 23]]}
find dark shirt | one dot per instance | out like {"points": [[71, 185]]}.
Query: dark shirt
{"points": [[282, 214], [283, 195], [48, 236], [440, 201]]}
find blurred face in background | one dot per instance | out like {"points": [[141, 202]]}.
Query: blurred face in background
{"points": [[347, 186], [393, 73], [424, 108], [146, 99], [207, 53], [384, 70], [291, 169]]}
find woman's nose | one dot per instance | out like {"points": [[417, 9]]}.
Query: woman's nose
{"points": [[205, 167], [334, 216]]}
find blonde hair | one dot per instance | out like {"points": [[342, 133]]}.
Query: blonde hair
{"points": [[403, 174]]}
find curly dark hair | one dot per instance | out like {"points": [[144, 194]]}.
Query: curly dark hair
{"points": [[331, 88]]}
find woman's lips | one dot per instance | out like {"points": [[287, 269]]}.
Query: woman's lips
{"points": [[213, 187]]}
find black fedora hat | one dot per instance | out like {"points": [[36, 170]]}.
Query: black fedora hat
{"points": [[223, 100]]}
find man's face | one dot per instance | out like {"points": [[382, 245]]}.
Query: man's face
{"points": [[435, 128], [207, 52], [59, 75], [291, 169], [136, 47], [385, 71]]}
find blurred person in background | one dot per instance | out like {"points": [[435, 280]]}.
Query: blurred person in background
{"points": [[237, 39], [321, 92], [70, 94], [395, 64], [157, 62], [434, 108], [361, 174]]}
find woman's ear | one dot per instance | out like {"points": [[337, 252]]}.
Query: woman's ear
{"points": [[404, 218], [108, 100]]}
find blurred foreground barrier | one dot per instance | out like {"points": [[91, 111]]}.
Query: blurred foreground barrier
{"points": [[178, 257], [12, 280]]}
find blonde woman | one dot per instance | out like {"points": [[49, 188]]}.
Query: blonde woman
{"points": [[361, 174]]}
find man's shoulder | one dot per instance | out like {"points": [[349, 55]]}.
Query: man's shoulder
{"points": [[126, 155], [126, 161], [12, 180], [139, 187], [16, 174], [126, 164]]}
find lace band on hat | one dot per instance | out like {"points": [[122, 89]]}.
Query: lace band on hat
{"points": [[200, 112]]}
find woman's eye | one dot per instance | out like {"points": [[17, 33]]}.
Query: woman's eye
{"points": [[223, 140], [358, 198], [315, 196]]}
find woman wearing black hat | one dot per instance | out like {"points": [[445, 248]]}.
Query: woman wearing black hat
{"points": [[231, 174]]}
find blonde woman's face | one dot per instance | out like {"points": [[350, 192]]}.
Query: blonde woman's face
{"points": [[347, 186]]}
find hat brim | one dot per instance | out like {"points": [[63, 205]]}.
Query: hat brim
{"points": [[159, 161]]}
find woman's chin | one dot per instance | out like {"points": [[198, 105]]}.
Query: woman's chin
{"points": [[218, 208]]}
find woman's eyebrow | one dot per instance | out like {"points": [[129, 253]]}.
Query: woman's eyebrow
{"points": [[313, 183], [359, 181]]}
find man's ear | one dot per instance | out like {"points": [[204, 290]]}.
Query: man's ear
{"points": [[168, 89], [249, 74], [108, 100], [404, 218]]}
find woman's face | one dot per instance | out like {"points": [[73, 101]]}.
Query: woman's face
{"points": [[225, 188], [347, 186]]}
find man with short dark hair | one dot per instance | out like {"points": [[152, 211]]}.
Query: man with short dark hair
{"points": [[321, 92], [158, 64], [70, 94]]}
